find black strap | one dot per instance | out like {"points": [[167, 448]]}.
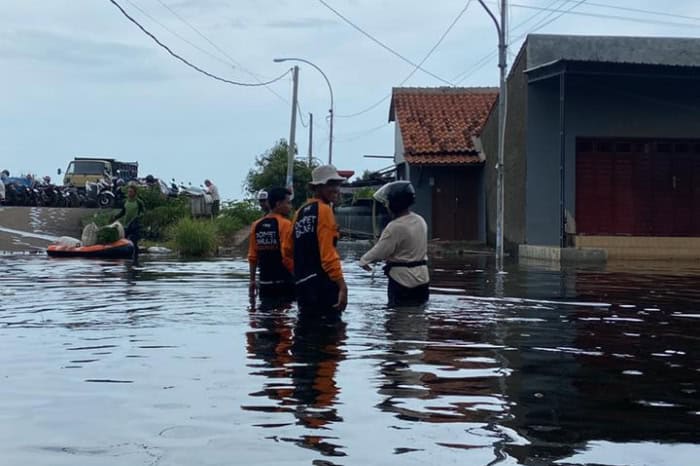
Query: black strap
{"points": [[391, 265]]}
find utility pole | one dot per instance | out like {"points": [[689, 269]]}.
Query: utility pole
{"points": [[292, 131], [502, 97], [311, 138]]}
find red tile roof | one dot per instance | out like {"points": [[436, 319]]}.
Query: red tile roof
{"points": [[437, 124]]}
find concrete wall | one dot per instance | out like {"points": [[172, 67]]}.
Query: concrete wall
{"points": [[543, 155], [420, 178], [596, 106], [514, 159], [398, 145]]}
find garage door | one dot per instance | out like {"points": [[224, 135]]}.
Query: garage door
{"points": [[638, 187]]}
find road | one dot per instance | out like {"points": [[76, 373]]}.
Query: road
{"points": [[27, 229]]}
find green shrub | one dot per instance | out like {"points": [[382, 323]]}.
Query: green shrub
{"points": [[194, 238], [100, 219], [155, 222], [106, 235], [227, 226], [245, 211], [151, 196]]}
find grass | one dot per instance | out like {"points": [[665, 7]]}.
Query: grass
{"points": [[194, 238]]}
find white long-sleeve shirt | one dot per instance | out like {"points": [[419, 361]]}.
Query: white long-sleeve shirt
{"points": [[405, 239], [213, 192]]}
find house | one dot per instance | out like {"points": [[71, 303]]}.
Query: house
{"points": [[437, 149], [602, 146]]}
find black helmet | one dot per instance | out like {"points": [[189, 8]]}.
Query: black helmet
{"points": [[397, 195]]}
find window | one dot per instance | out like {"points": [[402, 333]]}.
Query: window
{"points": [[89, 167]]}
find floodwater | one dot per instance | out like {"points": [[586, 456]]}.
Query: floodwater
{"points": [[101, 364]]}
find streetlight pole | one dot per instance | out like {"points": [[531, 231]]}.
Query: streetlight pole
{"points": [[330, 89], [502, 95], [292, 131], [311, 137]]}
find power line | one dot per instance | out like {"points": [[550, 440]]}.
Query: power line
{"points": [[383, 45], [640, 10], [539, 25], [606, 16], [544, 24], [219, 49], [183, 60], [184, 39], [425, 58]]}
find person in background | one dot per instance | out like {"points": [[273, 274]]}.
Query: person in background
{"points": [[2, 192], [268, 237], [262, 201], [213, 191], [320, 285], [403, 245], [130, 216]]}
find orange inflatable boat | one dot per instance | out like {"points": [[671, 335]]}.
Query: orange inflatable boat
{"points": [[122, 249]]}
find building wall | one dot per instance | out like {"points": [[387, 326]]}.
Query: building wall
{"points": [[420, 178], [543, 155], [596, 106], [514, 158]]}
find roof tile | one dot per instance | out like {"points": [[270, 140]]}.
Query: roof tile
{"points": [[437, 124]]}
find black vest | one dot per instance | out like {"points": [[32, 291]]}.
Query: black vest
{"points": [[307, 253], [269, 248]]}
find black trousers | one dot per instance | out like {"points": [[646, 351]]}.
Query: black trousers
{"points": [[400, 295], [277, 291], [317, 295], [133, 234], [215, 208]]}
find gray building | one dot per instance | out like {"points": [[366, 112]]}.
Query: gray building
{"points": [[602, 142], [437, 149]]}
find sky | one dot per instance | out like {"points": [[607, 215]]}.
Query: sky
{"points": [[79, 79]]}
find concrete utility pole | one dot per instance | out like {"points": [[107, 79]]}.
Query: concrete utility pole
{"points": [[330, 111], [292, 131], [311, 138], [502, 97]]}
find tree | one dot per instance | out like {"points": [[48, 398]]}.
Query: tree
{"points": [[270, 170]]}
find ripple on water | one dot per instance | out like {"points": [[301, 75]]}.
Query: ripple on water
{"points": [[530, 366]]}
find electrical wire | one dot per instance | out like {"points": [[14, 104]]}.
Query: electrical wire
{"points": [[223, 52], [485, 60], [605, 16], [383, 45], [544, 24], [640, 10], [184, 39], [410, 75], [183, 60]]}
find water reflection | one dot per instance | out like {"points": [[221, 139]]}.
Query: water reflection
{"points": [[538, 366], [300, 357]]}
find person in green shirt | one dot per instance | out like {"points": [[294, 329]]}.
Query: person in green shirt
{"points": [[130, 216]]}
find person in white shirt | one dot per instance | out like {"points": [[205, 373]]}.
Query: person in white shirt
{"points": [[403, 245], [213, 191]]}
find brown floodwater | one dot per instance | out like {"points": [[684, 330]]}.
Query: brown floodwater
{"points": [[170, 365]]}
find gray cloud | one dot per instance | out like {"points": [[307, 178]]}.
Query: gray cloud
{"points": [[104, 58], [59, 48], [302, 23]]}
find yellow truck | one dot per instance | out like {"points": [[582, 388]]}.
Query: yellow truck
{"points": [[92, 169]]}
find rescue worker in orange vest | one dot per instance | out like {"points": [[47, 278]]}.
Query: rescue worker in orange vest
{"points": [[267, 241], [320, 285]]}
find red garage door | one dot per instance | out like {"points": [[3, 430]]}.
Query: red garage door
{"points": [[638, 187]]}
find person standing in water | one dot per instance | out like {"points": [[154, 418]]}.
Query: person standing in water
{"points": [[267, 241], [130, 216], [403, 245], [320, 284]]}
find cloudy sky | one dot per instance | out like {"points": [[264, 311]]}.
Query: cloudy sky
{"points": [[79, 79]]}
